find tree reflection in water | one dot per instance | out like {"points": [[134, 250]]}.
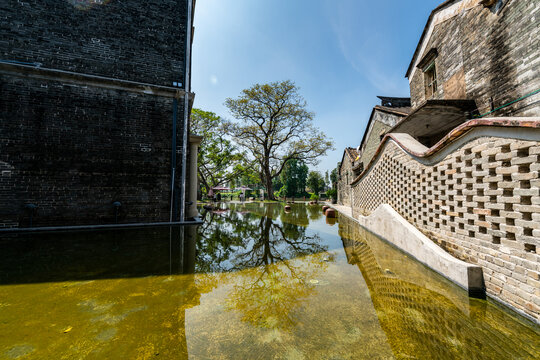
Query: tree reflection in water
{"points": [[278, 259]]}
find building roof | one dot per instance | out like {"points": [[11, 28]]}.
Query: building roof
{"points": [[352, 153], [402, 112], [435, 117], [424, 33], [394, 102]]}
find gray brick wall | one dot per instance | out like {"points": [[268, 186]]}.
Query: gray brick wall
{"points": [[73, 144], [485, 54], [138, 40], [74, 150], [381, 123]]}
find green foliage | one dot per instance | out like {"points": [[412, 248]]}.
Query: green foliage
{"points": [[274, 126], [282, 192], [277, 184], [314, 197], [219, 161], [334, 176], [315, 182], [293, 178], [331, 193]]}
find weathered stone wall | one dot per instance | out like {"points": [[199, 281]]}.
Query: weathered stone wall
{"points": [[74, 150], [138, 40], [380, 124], [484, 54], [480, 202], [346, 176]]}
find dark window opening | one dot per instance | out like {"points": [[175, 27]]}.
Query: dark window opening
{"points": [[430, 80]]}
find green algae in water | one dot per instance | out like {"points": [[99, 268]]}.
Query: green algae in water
{"points": [[253, 283]]}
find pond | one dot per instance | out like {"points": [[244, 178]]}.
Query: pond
{"points": [[253, 282]]}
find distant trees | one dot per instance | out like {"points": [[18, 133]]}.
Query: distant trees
{"points": [[219, 161], [274, 127], [315, 182], [293, 179], [334, 176]]}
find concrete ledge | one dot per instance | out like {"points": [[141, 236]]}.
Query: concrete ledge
{"points": [[388, 224], [35, 71]]}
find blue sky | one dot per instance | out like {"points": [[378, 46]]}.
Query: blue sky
{"points": [[341, 53]]}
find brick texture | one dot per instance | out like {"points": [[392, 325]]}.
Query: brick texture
{"points": [[481, 203], [346, 176], [380, 124], [73, 151], [485, 54], [74, 147], [138, 40]]}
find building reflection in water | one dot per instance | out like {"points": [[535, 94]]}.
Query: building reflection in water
{"points": [[425, 317], [118, 293], [252, 280]]}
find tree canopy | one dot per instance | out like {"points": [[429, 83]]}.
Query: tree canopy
{"points": [[219, 161], [274, 126]]}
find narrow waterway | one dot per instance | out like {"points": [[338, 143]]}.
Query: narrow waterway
{"points": [[253, 282]]}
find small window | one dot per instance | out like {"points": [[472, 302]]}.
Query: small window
{"points": [[430, 80], [494, 5], [427, 65]]}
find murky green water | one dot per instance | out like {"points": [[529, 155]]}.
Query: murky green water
{"points": [[254, 283]]}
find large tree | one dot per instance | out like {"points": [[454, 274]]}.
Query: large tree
{"points": [[219, 161], [275, 126]]}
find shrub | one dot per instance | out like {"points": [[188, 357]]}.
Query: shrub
{"points": [[332, 193]]}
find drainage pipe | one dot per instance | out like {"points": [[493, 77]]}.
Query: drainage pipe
{"points": [[173, 155], [187, 88]]}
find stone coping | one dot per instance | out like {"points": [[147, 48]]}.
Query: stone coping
{"points": [[40, 73], [386, 223]]}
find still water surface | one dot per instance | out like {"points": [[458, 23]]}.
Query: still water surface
{"points": [[253, 282]]}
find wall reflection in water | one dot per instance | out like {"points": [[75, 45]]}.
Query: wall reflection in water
{"points": [[425, 316], [126, 293], [253, 282], [107, 294]]}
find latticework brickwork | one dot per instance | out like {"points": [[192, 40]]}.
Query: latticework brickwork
{"points": [[481, 203]]}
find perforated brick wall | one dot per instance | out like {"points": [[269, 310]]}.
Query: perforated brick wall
{"points": [[481, 203]]}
